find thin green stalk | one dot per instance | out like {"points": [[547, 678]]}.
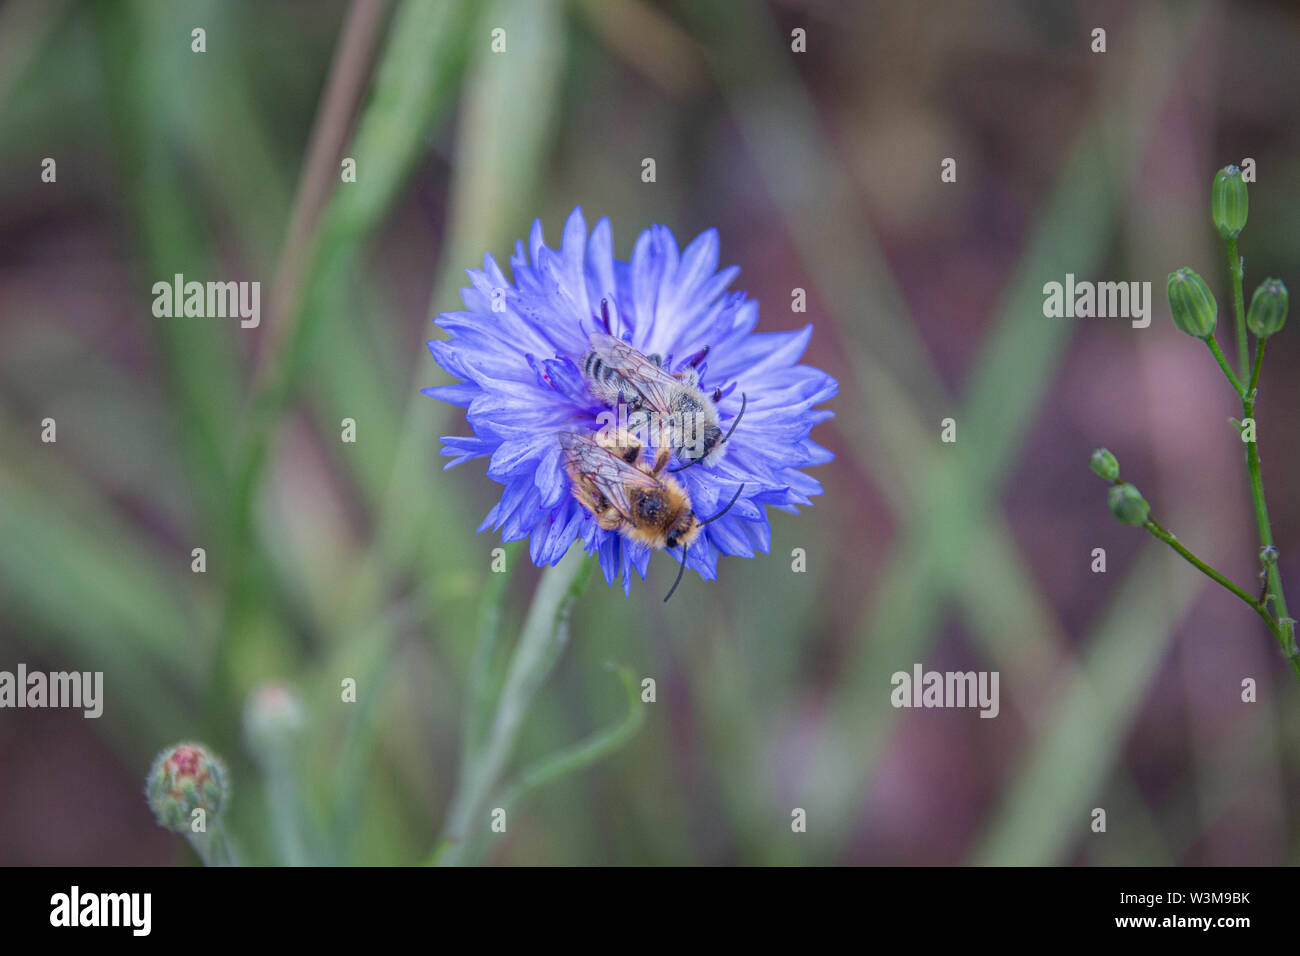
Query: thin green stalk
{"points": [[583, 754], [1168, 538], [213, 847], [544, 635], [1223, 364], [284, 800], [1239, 308], [1285, 629], [479, 701], [1254, 375]]}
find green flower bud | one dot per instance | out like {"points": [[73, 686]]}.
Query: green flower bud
{"points": [[184, 778], [1268, 305], [1228, 202], [1104, 464], [1192, 304], [1128, 505]]}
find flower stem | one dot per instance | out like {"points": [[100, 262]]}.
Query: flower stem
{"points": [[1223, 364], [284, 799], [544, 635], [1168, 538], [1239, 307], [1284, 631], [1254, 375], [212, 847]]}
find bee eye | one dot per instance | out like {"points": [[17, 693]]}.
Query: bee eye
{"points": [[672, 541]]}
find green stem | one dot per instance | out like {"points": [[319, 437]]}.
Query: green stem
{"points": [[1168, 538], [587, 752], [1223, 364], [213, 847], [1239, 307], [544, 636], [284, 800], [1254, 375], [479, 693], [1285, 631]]}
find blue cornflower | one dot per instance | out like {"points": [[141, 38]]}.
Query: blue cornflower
{"points": [[518, 348]]}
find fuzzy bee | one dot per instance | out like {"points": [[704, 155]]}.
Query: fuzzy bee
{"points": [[631, 496], [618, 374]]}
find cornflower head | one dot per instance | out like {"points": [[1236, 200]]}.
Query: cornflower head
{"points": [[522, 348]]}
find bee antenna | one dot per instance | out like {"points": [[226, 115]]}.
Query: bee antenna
{"points": [[693, 461], [726, 509], [744, 400], [680, 572]]}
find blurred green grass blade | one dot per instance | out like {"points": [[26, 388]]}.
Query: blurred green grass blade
{"points": [[141, 61], [506, 130], [1047, 808], [906, 605], [914, 589], [504, 137], [360, 734], [120, 429], [26, 26], [812, 189], [484, 678], [78, 547], [95, 597], [1024, 349], [506, 127], [417, 72]]}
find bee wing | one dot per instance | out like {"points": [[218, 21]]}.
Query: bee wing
{"points": [[651, 381], [607, 473]]}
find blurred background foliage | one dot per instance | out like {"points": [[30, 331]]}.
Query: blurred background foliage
{"points": [[328, 560]]}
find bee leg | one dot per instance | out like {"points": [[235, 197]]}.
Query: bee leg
{"points": [[680, 572], [661, 459]]}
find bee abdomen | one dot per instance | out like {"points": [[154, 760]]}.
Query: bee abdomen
{"points": [[595, 369]]}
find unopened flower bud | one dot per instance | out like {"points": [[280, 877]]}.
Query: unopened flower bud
{"points": [[185, 778], [1192, 304], [1104, 464], [1128, 505], [1228, 202], [273, 716], [1268, 305]]}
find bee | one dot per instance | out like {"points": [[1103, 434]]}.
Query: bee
{"points": [[632, 496], [618, 374]]}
